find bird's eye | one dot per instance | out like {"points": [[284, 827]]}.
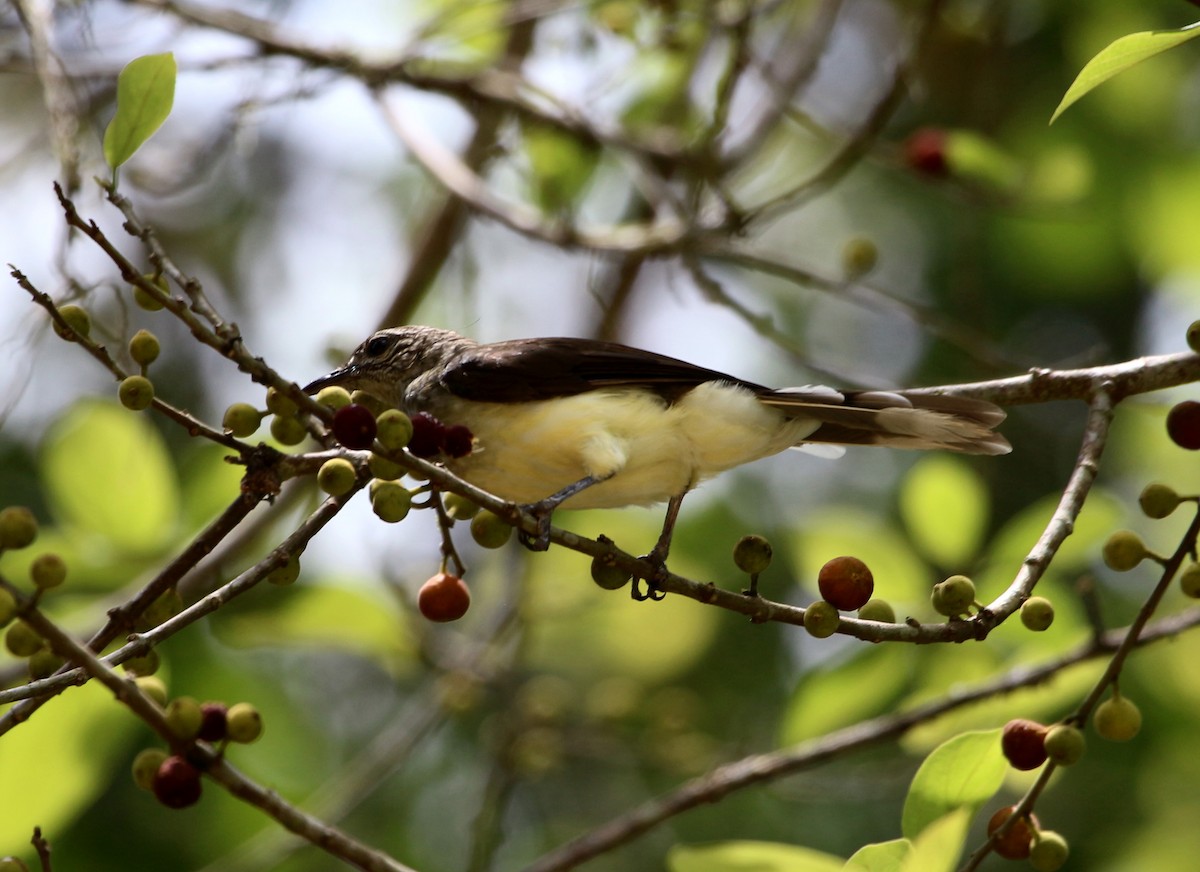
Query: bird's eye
{"points": [[377, 345]]}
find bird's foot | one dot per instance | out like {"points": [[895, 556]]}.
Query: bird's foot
{"points": [[539, 540], [654, 584]]}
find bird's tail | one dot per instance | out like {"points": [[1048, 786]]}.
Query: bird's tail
{"points": [[919, 421]]}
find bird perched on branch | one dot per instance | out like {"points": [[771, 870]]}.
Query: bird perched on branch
{"points": [[580, 423]]}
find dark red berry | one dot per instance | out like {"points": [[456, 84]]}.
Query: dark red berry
{"points": [[443, 598], [428, 435], [1183, 425], [1024, 743], [925, 151], [458, 441], [213, 724], [1014, 844], [846, 583], [354, 426], [177, 783]]}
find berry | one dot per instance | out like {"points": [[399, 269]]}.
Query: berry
{"points": [[184, 717], [427, 433], [335, 397], [1049, 851], [372, 402], [279, 403], [153, 687], [146, 765], [821, 619], [77, 319], [354, 426], [395, 429], [168, 604], [136, 393], [1183, 424], [1037, 613], [287, 573], [242, 420], [489, 530], [1117, 719], [390, 501], [381, 467], [43, 663], [459, 507], [1023, 744], [177, 783], [1014, 844], [1065, 744], [145, 299], [1124, 550], [144, 348], [752, 554], [18, 527], [8, 607], [877, 610], [1193, 336], [214, 721], [244, 723], [953, 596], [1189, 581], [1158, 500], [925, 152], [22, 640], [337, 476], [47, 571], [288, 430], [144, 664], [859, 256], [443, 597], [458, 441], [846, 583], [607, 574]]}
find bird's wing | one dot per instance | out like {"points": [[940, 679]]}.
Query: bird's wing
{"points": [[523, 370]]}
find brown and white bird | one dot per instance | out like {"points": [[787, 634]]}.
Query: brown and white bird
{"points": [[580, 423]]}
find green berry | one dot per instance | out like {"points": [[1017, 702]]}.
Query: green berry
{"points": [[153, 687], [1158, 500], [1124, 550], [77, 319], [22, 640], [242, 420], [1117, 719], [144, 664], [821, 619], [136, 393], [144, 348], [18, 527], [372, 402], [459, 507], [43, 663], [47, 571], [395, 429], [752, 554], [333, 396], [607, 574], [859, 256], [168, 604], [1193, 336], [877, 610], [146, 765], [8, 607], [243, 723], [1065, 744], [145, 299], [1037, 613], [390, 501], [286, 574], [385, 469], [184, 717], [288, 430], [281, 404], [953, 596], [1189, 581], [1049, 851], [337, 476], [489, 530]]}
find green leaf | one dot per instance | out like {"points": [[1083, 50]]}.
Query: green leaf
{"points": [[938, 848], [145, 94], [562, 166], [1119, 56], [880, 857], [751, 857], [944, 504], [963, 772]]}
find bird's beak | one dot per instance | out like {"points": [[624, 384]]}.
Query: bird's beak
{"points": [[337, 377]]}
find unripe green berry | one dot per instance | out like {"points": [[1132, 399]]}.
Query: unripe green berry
{"points": [[333, 396], [47, 571], [8, 607], [1037, 613], [877, 610], [1124, 550], [1193, 336], [243, 723], [821, 619], [43, 663], [287, 430], [1049, 851], [395, 429], [489, 530], [1117, 719], [22, 640], [1158, 500], [144, 664], [376, 406], [385, 469], [953, 596], [459, 507], [859, 256], [390, 501], [184, 716], [144, 348], [752, 554], [168, 604], [242, 420], [18, 527], [607, 574], [286, 574], [153, 687], [77, 318], [1189, 581], [144, 298], [336, 476], [1065, 744], [136, 393], [145, 767], [279, 403]]}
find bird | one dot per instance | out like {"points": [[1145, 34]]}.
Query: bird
{"points": [[577, 423]]}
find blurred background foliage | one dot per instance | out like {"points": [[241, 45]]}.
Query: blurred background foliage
{"points": [[554, 705]]}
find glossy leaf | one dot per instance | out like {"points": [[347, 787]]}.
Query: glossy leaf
{"points": [[963, 772], [751, 857], [145, 94], [880, 857]]}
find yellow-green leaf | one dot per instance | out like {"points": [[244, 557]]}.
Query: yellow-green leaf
{"points": [[1119, 56], [145, 94], [750, 857], [944, 505], [880, 857], [939, 846], [963, 772]]}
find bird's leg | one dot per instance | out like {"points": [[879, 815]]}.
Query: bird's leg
{"points": [[658, 554], [544, 508]]}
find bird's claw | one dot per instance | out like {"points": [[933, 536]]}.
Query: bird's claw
{"points": [[539, 541], [654, 584]]}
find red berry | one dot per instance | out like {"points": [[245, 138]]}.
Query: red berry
{"points": [[925, 151], [1183, 425], [846, 583], [354, 426], [458, 440], [177, 783], [1024, 743], [443, 598], [428, 435], [213, 724], [1015, 844]]}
